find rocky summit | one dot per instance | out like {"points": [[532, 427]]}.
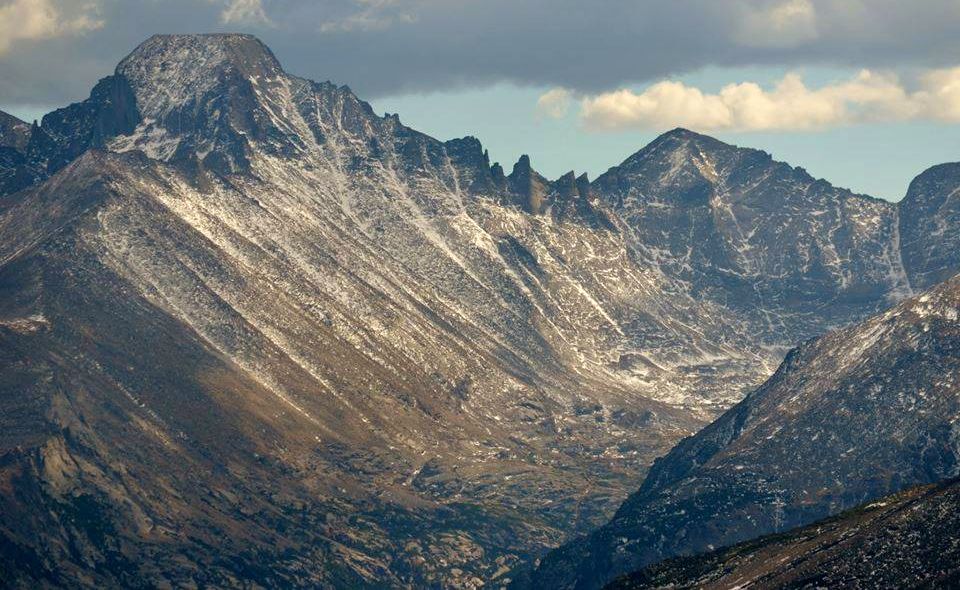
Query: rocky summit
{"points": [[254, 334]]}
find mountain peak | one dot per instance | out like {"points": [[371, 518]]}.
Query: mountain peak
{"points": [[240, 47], [199, 94], [685, 156], [522, 165], [930, 207], [181, 60], [684, 133], [680, 137]]}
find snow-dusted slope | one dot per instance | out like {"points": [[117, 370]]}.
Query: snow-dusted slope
{"points": [[788, 252], [365, 319], [861, 412]]}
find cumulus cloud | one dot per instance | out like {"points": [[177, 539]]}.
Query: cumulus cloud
{"points": [[31, 20], [244, 12], [554, 104], [941, 95], [789, 106], [382, 47], [370, 15]]}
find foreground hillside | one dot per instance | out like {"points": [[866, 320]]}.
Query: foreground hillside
{"points": [[908, 540]]}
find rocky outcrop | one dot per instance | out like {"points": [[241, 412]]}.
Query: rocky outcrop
{"points": [[929, 222]]}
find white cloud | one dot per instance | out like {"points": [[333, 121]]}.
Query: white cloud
{"points": [[244, 12], [370, 15], [554, 104], [785, 23], [941, 95], [30, 20], [790, 106]]}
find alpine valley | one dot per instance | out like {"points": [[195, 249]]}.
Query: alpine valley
{"points": [[253, 334]]}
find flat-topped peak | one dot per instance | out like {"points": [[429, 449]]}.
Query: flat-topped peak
{"points": [[208, 37], [199, 54], [169, 72], [198, 40]]}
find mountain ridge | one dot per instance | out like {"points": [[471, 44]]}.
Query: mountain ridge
{"points": [[400, 363]]}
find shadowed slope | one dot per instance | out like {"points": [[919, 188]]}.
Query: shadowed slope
{"points": [[859, 413], [908, 540]]}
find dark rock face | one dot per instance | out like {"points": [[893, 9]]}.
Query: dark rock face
{"points": [[14, 133], [929, 222], [111, 110], [34, 153], [859, 413], [907, 540], [15, 170], [15, 174], [528, 187]]}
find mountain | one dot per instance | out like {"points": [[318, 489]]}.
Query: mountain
{"points": [[908, 540], [253, 309], [858, 413], [253, 331], [788, 252]]}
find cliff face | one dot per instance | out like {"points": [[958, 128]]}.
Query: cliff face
{"points": [[929, 215]]}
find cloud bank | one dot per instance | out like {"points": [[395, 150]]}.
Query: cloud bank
{"points": [[244, 12], [789, 106], [33, 20], [382, 47], [789, 23]]}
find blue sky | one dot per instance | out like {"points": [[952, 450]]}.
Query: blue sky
{"points": [[878, 159], [863, 93]]}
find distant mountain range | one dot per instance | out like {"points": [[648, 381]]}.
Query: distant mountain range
{"points": [[254, 332]]}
